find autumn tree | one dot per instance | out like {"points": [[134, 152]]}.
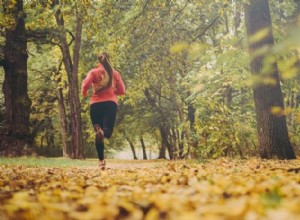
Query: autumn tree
{"points": [[53, 29], [272, 130], [71, 62], [15, 135]]}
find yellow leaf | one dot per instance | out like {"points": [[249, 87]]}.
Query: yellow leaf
{"points": [[276, 110], [179, 47], [259, 35]]}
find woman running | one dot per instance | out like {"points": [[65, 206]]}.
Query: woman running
{"points": [[107, 84]]}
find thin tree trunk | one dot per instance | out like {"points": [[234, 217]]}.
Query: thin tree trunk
{"points": [[180, 137], [42, 141], [63, 123], [15, 135], [51, 134], [174, 142], [186, 131], [152, 102], [191, 118], [132, 149], [76, 100], [72, 72], [62, 115], [272, 129], [143, 148], [228, 96]]}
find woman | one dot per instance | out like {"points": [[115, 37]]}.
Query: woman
{"points": [[107, 84]]}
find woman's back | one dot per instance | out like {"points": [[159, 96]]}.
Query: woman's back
{"points": [[97, 78]]}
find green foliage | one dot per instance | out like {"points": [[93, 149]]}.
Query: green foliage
{"points": [[222, 131], [42, 90]]}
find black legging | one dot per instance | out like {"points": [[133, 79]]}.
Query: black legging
{"points": [[103, 114]]}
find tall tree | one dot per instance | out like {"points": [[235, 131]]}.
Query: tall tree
{"points": [[71, 67], [62, 114], [143, 148], [15, 135], [272, 130]]}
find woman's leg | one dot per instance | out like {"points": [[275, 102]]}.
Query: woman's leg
{"points": [[97, 113], [109, 118], [99, 148], [104, 115]]}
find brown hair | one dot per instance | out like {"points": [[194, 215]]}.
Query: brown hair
{"points": [[104, 59]]}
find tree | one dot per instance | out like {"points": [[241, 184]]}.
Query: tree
{"points": [[15, 135], [132, 148], [272, 130], [143, 148], [71, 67], [62, 114]]}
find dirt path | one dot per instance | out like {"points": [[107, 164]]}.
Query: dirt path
{"points": [[131, 164]]}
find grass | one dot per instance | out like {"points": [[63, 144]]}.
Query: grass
{"points": [[66, 162], [46, 162]]}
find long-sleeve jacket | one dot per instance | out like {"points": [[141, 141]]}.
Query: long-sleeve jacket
{"points": [[94, 78]]}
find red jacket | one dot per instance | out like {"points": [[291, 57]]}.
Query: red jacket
{"points": [[109, 94]]}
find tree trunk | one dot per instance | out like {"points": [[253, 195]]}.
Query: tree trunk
{"points": [[62, 115], [165, 143], [77, 109], [162, 152], [50, 131], [71, 68], [42, 141], [15, 135], [132, 148], [63, 123], [152, 102], [143, 148], [228, 96], [174, 141], [186, 130], [180, 137], [272, 129]]}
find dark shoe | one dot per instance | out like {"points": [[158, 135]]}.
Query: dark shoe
{"points": [[99, 132], [102, 164]]}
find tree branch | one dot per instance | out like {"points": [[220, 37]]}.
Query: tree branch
{"points": [[159, 94], [72, 37], [2, 59], [43, 36], [206, 29]]}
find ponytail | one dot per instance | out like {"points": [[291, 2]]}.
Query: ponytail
{"points": [[104, 60]]}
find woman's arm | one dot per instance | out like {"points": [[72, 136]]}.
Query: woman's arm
{"points": [[120, 87], [87, 83]]}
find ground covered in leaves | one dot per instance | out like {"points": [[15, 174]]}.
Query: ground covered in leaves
{"points": [[214, 189]]}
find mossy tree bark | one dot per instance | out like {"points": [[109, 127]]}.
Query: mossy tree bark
{"points": [[16, 139]]}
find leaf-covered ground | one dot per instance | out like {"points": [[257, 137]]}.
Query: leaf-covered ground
{"points": [[216, 189]]}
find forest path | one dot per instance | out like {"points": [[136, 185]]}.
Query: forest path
{"points": [[131, 164]]}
